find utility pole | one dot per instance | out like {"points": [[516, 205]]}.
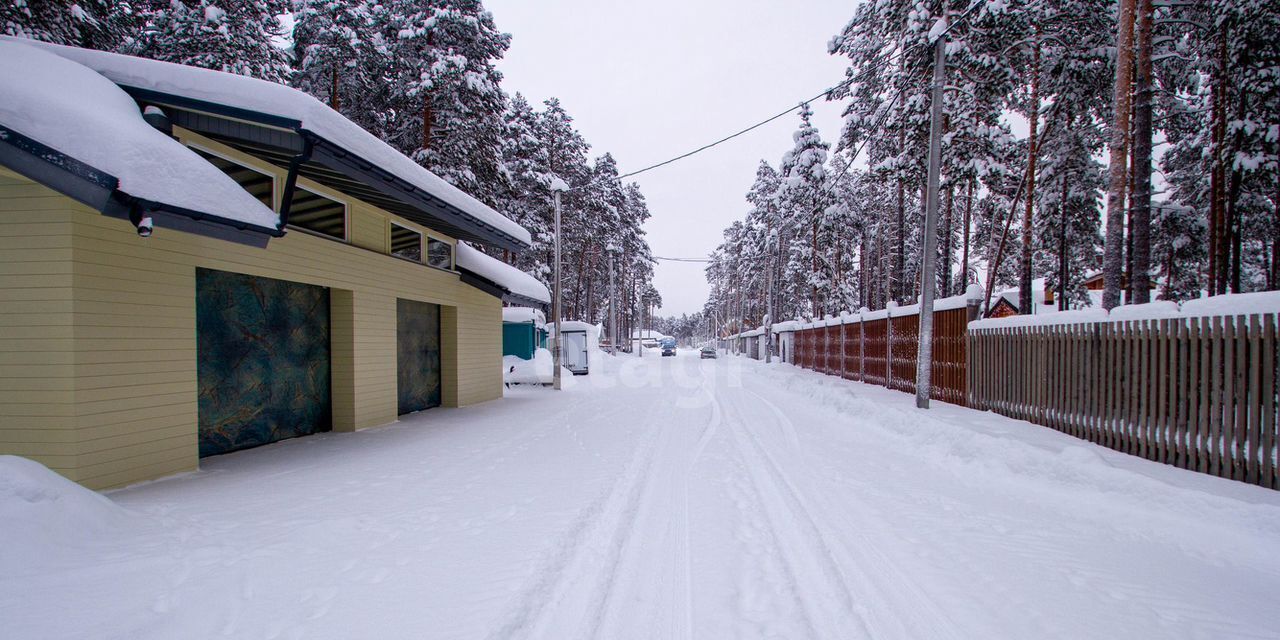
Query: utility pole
{"points": [[612, 249], [768, 304], [557, 185], [924, 358]]}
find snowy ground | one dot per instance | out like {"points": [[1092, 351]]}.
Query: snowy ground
{"points": [[657, 498]]}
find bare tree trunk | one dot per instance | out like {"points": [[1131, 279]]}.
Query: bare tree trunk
{"points": [[1273, 279], [945, 287], [1064, 277], [427, 122], [1218, 243], [813, 256], [1113, 254], [1233, 192], [968, 216], [333, 88], [1139, 282], [898, 274], [1025, 303]]}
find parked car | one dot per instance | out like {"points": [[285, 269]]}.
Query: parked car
{"points": [[668, 346], [708, 352]]}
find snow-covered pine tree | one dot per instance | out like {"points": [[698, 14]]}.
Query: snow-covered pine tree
{"points": [[236, 36], [92, 24], [445, 93], [338, 57], [806, 195]]}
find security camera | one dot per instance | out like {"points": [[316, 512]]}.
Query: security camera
{"points": [[145, 227]]}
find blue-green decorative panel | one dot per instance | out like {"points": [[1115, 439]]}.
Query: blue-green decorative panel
{"points": [[262, 348], [418, 355]]}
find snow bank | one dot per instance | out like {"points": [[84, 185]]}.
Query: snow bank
{"points": [[1233, 304], [501, 273], [41, 511], [76, 111], [524, 314], [275, 99], [539, 370], [1266, 302]]}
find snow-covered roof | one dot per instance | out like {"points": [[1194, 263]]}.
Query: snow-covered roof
{"points": [[645, 334], [574, 325], [78, 113], [501, 274], [261, 96], [1265, 302], [523, 314]]}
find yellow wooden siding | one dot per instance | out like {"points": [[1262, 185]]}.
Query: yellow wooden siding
{"points": [[97, 331], [37, 369]]}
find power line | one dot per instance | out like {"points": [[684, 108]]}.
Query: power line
{"points": [[681, 259], [873, 67]]}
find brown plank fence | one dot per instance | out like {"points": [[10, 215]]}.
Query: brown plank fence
{"points": [[1197, 393], [883, 351]]}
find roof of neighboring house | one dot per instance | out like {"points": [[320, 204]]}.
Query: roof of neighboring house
{"points": [[517, 286], [75, 131], [524, 314], [283, 125]]}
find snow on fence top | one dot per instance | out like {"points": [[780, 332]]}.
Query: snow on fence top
{"points": [[502, 274], [1265, 302], [524, 314], [972, 294], [252, 94], [77, 112]]}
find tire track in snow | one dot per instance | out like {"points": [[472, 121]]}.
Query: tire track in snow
{"points": [[794, 548], [552, 588], [904, 593]]}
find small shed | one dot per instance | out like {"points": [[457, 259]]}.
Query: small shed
{"points": [[524, 331], [577, 341]]}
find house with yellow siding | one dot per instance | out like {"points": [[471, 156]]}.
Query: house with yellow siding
{"points": [[193, 263]]}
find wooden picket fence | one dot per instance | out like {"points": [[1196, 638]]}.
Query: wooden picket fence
{"points": [[1196, 393], [883, 351]]}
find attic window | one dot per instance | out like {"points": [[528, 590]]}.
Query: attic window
{"points": [[406, 243], [318, 214], [259, 185], [439, 254]]}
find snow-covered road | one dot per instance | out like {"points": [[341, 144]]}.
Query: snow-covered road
{"points": [[663, 498]]}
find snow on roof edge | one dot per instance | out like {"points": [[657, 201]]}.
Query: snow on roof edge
{"points": [[280, 100], [501, 274], [82, 115]]}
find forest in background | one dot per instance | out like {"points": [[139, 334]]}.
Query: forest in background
{"points": [[1153, 131]]}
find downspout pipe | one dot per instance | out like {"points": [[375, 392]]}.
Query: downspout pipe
{"points": [[291, 179]]}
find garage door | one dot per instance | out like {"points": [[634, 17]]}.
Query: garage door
{"points": [[418, 355], [262, 348]]}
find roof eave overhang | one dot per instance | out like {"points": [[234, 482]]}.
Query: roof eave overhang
{"points": [[498, 291], [436, 212], [101, 192]]}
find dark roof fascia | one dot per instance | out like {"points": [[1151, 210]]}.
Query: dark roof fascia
{"points": [[56, 170], [192, 104], [524, 301], [336, 157], [498, 291], [100, 191], [487, 286]]}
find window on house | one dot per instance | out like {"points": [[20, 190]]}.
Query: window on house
{"points": [[260, 185], [318, 214], [439, 254], [406, 243]]}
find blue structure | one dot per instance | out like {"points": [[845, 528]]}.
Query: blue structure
{"points": [[524, 331]]}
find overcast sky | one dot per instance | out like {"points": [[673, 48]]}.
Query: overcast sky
{"points": [[650, 80]]}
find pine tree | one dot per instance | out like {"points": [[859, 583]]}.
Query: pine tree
{"points": [[236, 36], [92, 24]]}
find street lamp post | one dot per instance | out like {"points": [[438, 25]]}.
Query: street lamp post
{"points": [[613, 250], [557, 186]]}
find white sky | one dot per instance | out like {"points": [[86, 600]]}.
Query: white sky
{"points": [[654, 79]]}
